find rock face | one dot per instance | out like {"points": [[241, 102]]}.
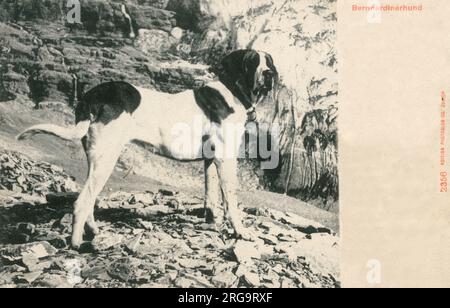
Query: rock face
{"points": [[301, 37], [13, 84], [307, 98], [161, 241], [47, 59], [97, 16]]}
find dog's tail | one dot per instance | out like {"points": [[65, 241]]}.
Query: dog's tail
{"points": [[67, 133]]}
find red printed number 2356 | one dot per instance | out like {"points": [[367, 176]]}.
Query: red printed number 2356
{"points": [[444, 182]]}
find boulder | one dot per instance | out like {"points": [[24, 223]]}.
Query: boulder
{"points": [[97, 273], [246, 252], [28, 277], [154, 41], [147, 17], [250, 276], [51, 85], [57, 280], [177, 33], [106, 241], [145, 198], [36, 250], [225, 280], [12, 84]]}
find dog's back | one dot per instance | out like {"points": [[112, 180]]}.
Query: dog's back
{"points": [[106, 102]]}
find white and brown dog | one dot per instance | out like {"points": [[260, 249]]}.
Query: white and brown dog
{"points": [[116, 113]]}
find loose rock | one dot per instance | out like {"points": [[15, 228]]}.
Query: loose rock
{"points": [[38, 250], [106, 241], [22, 175], [249, 277], [146, 198], [53, 281], [29, 277], [245, 252], [225, 280]]}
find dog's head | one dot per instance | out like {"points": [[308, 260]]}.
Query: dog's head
{"points": [[265, 75], [249, 74]]}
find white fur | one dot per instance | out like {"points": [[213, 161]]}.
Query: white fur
{"points": [[259, 77], [67, 133]]}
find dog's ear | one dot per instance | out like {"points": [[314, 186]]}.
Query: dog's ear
{"points": [[271, 65], [237, 73], [251, 62], [240, 64]]}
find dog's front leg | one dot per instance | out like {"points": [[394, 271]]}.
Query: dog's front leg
{"points": [[212, 209], [227, 170], [102, 158]]}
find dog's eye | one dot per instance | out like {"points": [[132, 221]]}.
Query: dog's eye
{"points": [[268, 73]]}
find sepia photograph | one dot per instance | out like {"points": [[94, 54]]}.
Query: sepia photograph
{"points": [[169, 144]]}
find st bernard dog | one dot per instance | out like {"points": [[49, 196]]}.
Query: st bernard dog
{"points": [[115, 113]]}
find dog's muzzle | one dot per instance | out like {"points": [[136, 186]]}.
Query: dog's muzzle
{"points": [[267, 85], [261, 93]]}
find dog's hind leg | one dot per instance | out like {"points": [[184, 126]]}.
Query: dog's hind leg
{"points": [[227, 170], [103, 151], [212, 194]]}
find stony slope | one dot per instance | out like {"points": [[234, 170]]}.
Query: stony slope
{"points": [[152, 239]]}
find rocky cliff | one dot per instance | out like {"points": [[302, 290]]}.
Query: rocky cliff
{"points": [[169, 45], [301, 37]]}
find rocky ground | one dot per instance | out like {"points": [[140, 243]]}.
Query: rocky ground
{"points": [[149, 239]]}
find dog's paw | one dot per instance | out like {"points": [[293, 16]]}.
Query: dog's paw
{"points": [[209, 216], [76, 243]]}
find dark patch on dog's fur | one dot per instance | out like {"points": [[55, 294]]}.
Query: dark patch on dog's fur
{"points": [[271, 63], [238, 74], [274, 73], [107, 102], [213, 104]]}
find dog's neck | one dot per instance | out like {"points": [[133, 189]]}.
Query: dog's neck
{"points": [[244, 95], [239, 90]]}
